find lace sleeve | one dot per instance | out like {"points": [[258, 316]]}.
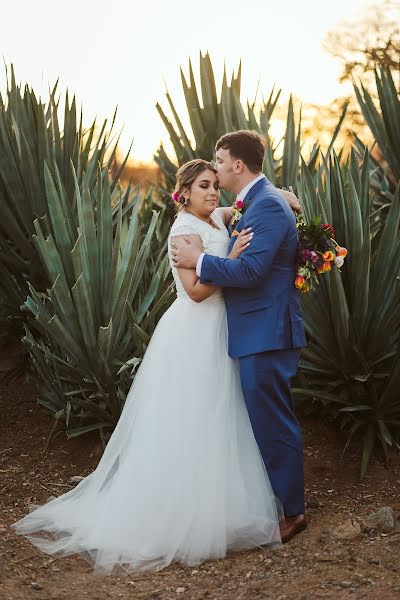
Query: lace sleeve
{"points": [[183, 229]]}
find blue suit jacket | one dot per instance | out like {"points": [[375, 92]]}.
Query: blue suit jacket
{"points": [[262, 303]]}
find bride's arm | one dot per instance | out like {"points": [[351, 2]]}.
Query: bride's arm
{"points": [[191, 283], [199, 291], [195, 290]]}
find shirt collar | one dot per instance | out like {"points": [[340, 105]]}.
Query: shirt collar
{"points": [[243, 193]]}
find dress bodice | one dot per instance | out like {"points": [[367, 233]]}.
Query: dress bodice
{"points": [[215, 242]]}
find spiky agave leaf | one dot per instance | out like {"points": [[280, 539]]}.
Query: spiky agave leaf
{"points": [[81, 338], [384, 121], [212, 114], [30, 135], [353, 320]]}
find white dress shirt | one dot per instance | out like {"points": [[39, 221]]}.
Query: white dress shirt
{"points": [[241, 196]]}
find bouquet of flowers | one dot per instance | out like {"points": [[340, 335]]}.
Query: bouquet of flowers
{"points": [[317, 253]]}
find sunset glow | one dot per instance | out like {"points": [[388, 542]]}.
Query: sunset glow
{"points": [[121, 53]]}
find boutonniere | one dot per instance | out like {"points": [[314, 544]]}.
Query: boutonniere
{"points": [[238, 210]]}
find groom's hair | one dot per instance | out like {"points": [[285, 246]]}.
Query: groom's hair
{"points": [[246, 145]]}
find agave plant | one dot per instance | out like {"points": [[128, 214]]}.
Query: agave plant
{"points": [[217, 114], [108, 287], [351, 363], [381, 188], [30, 135], [384, 123]]}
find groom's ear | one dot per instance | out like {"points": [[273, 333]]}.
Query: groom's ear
{"points": [[238, 166]]}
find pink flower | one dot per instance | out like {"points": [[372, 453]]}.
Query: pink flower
{"points": [[175, 197], [239, 204], [313, 256]]}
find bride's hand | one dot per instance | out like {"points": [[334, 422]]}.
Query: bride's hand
{"points": [[291, 198], [241, 243]]}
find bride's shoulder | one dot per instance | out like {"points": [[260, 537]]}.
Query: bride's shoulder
{"points": [[184, 223]]}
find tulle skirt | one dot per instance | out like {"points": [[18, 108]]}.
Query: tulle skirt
{"points": [[181, 478]]}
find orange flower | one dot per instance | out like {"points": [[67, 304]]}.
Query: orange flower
{"points": [[340, 251], [299, 281], [235, 233], [326, 266], [328, 256]]}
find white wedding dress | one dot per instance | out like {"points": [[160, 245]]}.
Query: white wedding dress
{"points": [[181, 478]]}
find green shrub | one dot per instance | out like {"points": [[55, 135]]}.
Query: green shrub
{"points": [[30, 135], [108, 287], [383, 120], [215, 114], [351, 363]]}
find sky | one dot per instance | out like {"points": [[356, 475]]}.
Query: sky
{"points": [[123, 53]]}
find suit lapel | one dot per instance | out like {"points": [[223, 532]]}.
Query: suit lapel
{"points": [[250, 196], [254, 190]]}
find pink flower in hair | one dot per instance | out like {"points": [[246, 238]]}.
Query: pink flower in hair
{"points": [[176, 197]]}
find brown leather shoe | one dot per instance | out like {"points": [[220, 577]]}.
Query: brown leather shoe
{"points": [[290, 526]]}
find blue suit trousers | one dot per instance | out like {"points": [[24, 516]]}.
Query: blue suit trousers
{"points": [[265, 379]]}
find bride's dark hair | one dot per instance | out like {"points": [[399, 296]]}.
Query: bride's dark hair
{"points": [[186, 175]]}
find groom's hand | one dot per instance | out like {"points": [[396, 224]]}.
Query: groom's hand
{"points": [[185, 250]]}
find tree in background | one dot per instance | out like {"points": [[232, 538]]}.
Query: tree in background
{"points": [[368, 41]]}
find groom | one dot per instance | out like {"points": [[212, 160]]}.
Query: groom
{"points": [[264, 315]]}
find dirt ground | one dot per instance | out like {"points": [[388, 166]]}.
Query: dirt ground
{"points": [[313, 565]]}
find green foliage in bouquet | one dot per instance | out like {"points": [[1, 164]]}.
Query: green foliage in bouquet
{"points": [[108, 287], [352, 361], [30, 135]]}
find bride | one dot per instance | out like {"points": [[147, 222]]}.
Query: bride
{"points": [[182, 478]]}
